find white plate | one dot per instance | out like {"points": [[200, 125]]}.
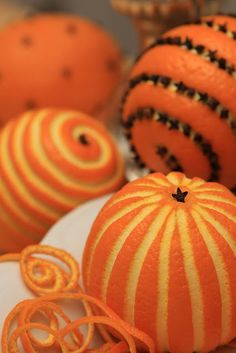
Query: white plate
{"points": [[69, 234]]}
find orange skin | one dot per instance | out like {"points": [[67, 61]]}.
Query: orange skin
{"points": [[213, 40], [47, 171], [146, 133], [88, 154], [17, 239], [168, 280], [59, 61], [208, 79], [181, 65]]}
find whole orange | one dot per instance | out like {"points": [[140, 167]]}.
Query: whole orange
{"points": [[60, 61], [162, 254], [50, 162], [179, 112]]}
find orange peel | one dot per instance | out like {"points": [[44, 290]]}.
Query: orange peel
{"points": [[10, 257], [43, 276], [57, 333], [54, 285]]}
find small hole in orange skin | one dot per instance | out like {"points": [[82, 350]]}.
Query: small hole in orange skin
{"points": [[97, 108], [72, 29], [27, 41], [111, 65], [31, 104], [67, 73]]}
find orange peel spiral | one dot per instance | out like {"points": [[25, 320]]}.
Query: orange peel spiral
{"points": [[58, 332], [43, 276], [46, 313]]}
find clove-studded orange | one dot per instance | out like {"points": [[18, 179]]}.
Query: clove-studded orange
{"points": [[57, 60], [162, 254], [50, 162], [179, 112]]}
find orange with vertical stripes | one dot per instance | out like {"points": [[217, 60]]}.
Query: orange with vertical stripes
{"points": [[179, 112], [162, 255]]}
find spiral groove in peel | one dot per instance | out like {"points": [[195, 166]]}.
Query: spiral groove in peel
{"points": [[51, 161]]}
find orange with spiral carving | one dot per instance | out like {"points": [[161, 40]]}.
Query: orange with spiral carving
{"points": [[179, 112], [51, 161], [162, 254]]}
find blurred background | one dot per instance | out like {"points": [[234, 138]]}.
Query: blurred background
{"points": [[99, 10]]}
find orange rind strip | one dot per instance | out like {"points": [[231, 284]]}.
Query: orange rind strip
{"points": [[10, 257], [53, 313], [42, 276], [25, 311], [12, 346], [54, 285]]}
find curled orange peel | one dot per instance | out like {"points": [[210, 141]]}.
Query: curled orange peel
{"points": [[53, 285], [10, 257], [46, 304], [105, 321], [53, 313], [12, 346], [43, 276]]}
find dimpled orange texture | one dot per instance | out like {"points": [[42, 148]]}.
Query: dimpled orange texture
{"points": [[162, 254], [50, 162], [179, 112], [60, 61]]}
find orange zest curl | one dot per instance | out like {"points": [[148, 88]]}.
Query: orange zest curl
{"points": [[47, 314], [53, 313], [43, 276], [65, 334], [10, 257]]}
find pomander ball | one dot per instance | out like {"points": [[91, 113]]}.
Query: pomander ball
{"points": [[179, 112], [60, 61]]}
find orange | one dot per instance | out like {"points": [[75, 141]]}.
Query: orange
{"points": [[50, 162], [60, 61], [179, 112], [162, 254]]}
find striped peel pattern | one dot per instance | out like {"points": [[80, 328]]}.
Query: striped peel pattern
{"points": [[165, 266], [50, 162]]}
